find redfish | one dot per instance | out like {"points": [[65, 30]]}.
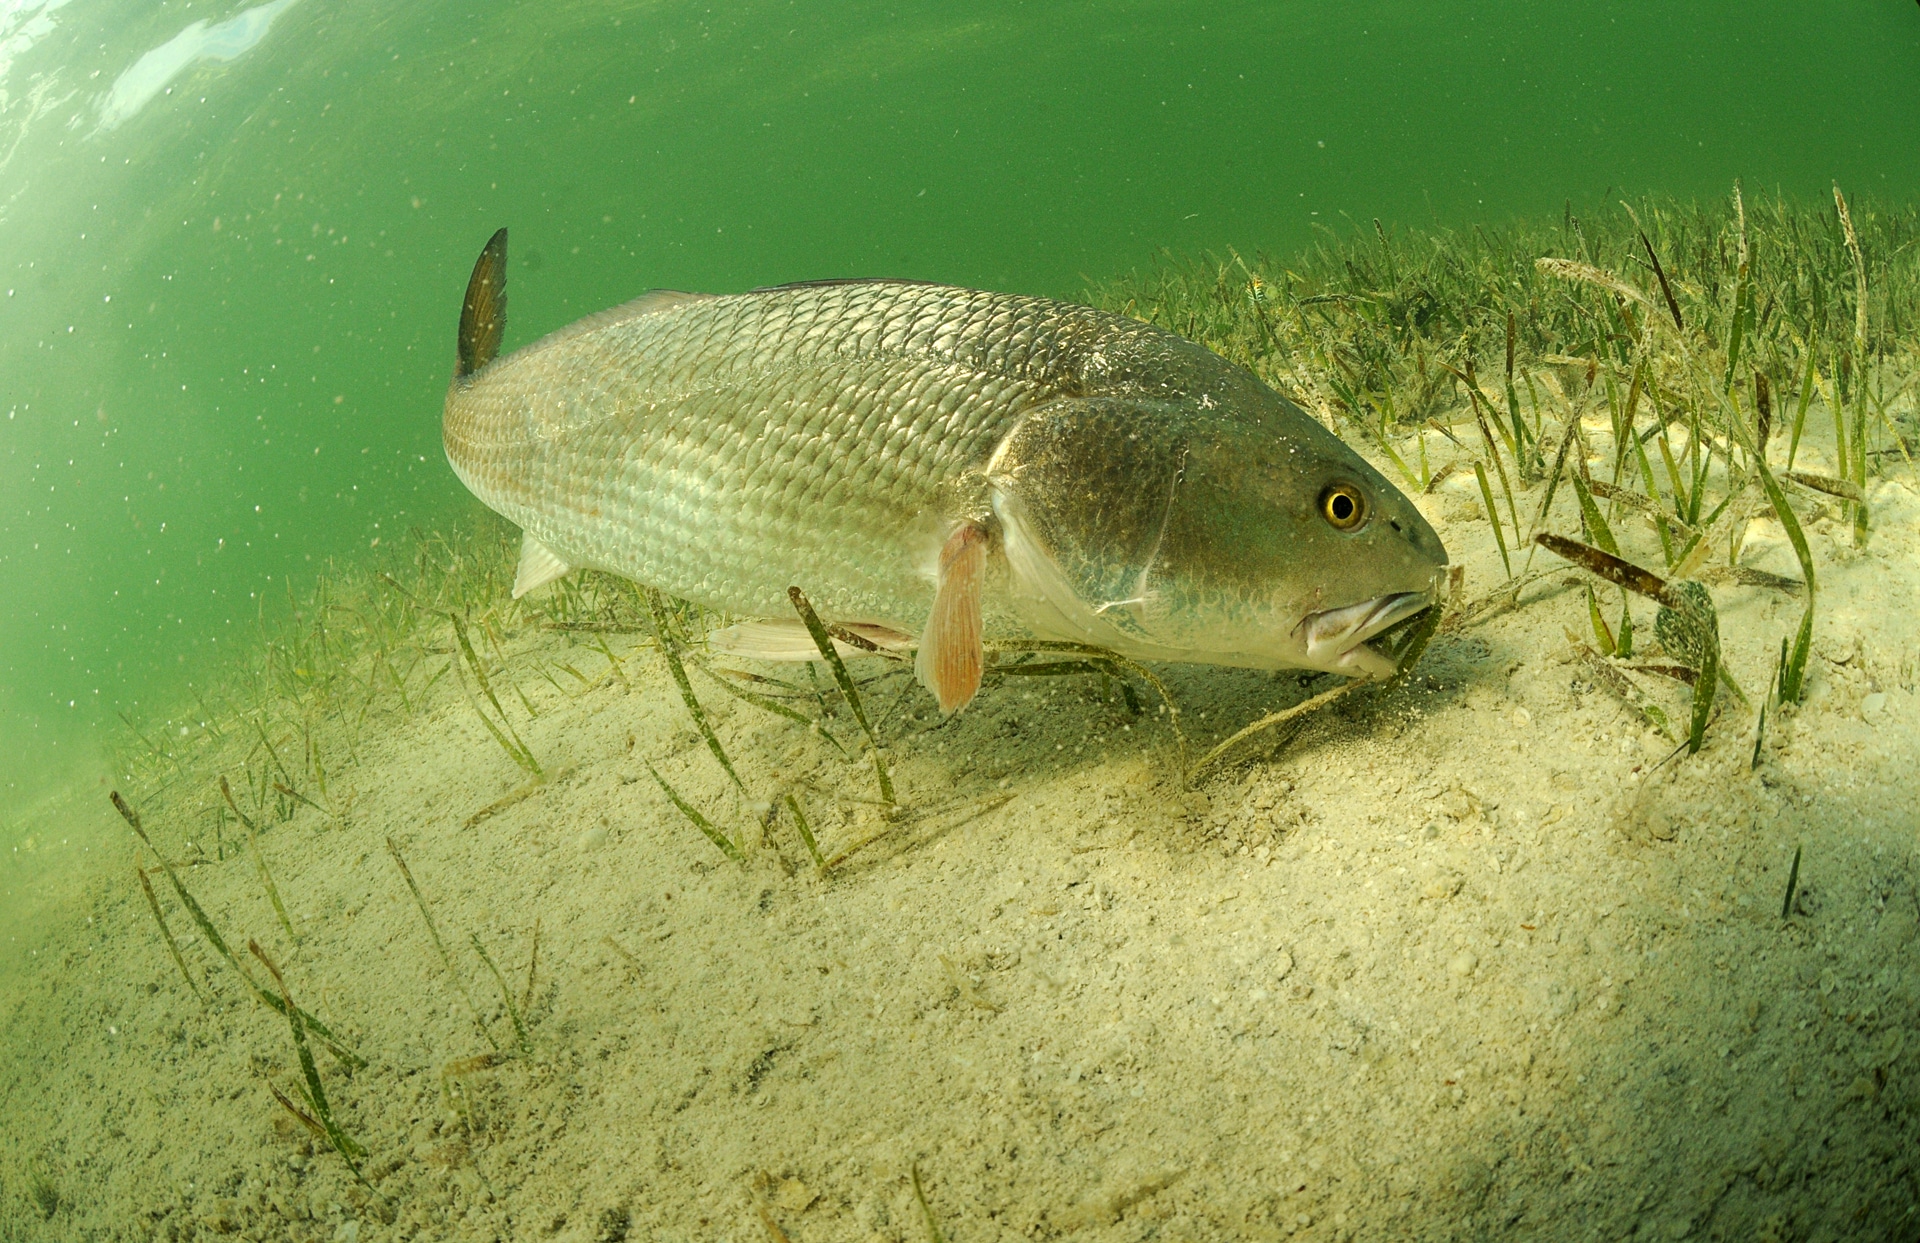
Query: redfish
{"points": [[934, 464]]}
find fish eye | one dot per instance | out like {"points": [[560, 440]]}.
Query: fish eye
{"points": [[1343, 506]]}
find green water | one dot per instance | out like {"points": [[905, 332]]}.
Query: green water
{"points": [[233, 240]]}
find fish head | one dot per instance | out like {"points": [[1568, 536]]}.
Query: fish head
{"points": [[1234, 532]]}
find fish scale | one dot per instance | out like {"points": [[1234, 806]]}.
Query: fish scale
{"points": [[725, 448]]}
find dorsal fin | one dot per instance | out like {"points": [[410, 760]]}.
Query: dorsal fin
{"points": [[483, 316], [827, 281]]}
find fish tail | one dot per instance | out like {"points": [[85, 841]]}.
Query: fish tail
{"points": [[483, 315]]}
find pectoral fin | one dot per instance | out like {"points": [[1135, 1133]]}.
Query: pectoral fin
{"points": [[950, 658], [539, 565]]}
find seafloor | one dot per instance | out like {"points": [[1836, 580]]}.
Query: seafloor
{"points": [[1479, 956]]}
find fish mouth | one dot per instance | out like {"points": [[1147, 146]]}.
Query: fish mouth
{"points": [[1336, 639]]}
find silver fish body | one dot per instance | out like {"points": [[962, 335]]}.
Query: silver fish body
{"points": [[1133, 490]]}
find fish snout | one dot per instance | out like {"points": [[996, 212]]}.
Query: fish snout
{"points": [[1415, 532]]}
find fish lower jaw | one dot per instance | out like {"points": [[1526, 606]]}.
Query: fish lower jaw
{"points": [[1338, 640], [1355, 659], [1348, 654], [1363, 661]]}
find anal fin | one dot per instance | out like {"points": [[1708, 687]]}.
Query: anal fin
{"points": [[539, 565], [951, 657]]}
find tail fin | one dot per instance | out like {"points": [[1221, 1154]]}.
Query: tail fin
{"points": [[483, 316]]}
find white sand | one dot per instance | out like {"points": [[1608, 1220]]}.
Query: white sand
{"points": [[1459, 962]]}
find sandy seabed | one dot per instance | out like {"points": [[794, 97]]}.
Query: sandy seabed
{"points": [[1465, 959]]}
